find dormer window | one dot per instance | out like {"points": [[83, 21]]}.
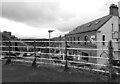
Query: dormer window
{"points": [[97, 22], [89, 25], [76, 28]]}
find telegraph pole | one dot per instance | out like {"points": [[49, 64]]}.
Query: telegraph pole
{"points": [[110, 53]]}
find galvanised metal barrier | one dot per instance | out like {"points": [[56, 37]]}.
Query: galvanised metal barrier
{"points": [[37, 55]]}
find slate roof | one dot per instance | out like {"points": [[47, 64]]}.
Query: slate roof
{"points": [[91, 26]]}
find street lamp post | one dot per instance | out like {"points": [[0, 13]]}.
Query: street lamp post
{"points": [[49, 31], [8, 61]]}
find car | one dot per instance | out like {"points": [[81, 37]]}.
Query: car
{"points": [[70, 58], [27, 54], [116, 62], [57, 58]]}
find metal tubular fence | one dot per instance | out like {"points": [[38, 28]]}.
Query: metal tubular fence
{"points": [[37, 54]]}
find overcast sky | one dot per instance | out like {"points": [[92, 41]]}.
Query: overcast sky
{"points": [[33, 18]]}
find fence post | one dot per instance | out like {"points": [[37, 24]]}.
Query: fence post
{"points": [[110, 53], [34, 61], [66, 61], [8, 61]]}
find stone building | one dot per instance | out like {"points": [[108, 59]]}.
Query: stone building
{"points": [[10, 40], [102, 29]]}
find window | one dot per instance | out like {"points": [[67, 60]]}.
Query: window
{"points": [[16, 48], [85, 54], [103, 39], [75, 52], [68, 39], [85, 39], [71, 39], [112, 27], [74, 40]]}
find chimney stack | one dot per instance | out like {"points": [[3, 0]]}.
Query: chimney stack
{"points": [[114, 10], [119, 8]]}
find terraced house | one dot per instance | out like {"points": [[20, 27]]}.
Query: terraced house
{"points": [[14, 42], [102, 29]]}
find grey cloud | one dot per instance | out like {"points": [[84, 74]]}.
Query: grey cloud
{"points": [[25, 11], [35, 13]]}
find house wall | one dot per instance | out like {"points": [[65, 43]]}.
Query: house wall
{"points": [[119, 7], [88, 45], [107, 30], [1, 43], [119, 38], [6, 36], [119, 29]]}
